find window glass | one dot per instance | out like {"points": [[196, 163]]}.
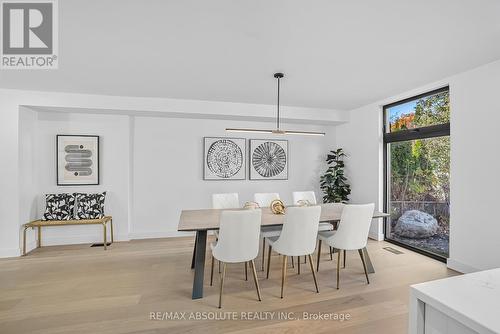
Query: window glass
{"points": [[429, 110]]}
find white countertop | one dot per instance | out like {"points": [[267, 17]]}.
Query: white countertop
{"points": [[472, 299]]}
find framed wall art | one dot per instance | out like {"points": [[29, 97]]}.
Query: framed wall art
{"points": [[268, 159], [77, 160], [224, 158]]}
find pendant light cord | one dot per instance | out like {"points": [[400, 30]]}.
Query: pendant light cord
{"points": [[278, 131], [278, 119]]}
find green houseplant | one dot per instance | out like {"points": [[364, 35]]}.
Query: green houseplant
{"points": [[334, 183]]}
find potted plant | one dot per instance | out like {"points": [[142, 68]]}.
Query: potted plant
{"points": [[334, 183]]}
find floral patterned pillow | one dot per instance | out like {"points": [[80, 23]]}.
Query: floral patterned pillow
{"points": [[59, 207], [89, 206]]}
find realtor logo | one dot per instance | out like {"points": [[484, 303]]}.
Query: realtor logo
{"points": [[29, 34]]}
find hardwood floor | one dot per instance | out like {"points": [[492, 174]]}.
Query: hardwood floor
{"points": [[78, 289]]}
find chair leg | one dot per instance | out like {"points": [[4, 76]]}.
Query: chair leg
{"points": [[283, 275], [293, 263], [338, 269], [263, 252], [268, 260], [298, 264], [246, 271], [313, 272], [252, 264], [344, 258], [222, 283], [212, 272], [331, 253], [360, 251], [305, 259], [218, 262], [319, 255]]}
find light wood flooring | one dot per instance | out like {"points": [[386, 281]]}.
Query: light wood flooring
{"points": [[78, 289]]}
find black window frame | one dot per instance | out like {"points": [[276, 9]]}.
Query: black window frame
{"points": [[432, 131]]}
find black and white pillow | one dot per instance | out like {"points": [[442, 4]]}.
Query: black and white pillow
{"points": [[59, 207], [89, 206]]}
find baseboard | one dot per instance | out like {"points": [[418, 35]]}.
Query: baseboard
{"points": [[376, 231], [161, 234], [376, 236], [460, 267], [9, 252]]}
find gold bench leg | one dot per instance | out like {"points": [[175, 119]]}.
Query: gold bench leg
{"points": [[112, 238], [24, 241], [105, 239], [39, 240]]}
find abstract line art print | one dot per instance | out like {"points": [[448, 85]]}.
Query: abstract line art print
{"points": [[268, 159], [224, 158], [77, 160]]}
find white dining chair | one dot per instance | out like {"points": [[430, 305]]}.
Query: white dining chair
{"points": [[309, 198], [264, 201], [351, 234], [298, 238], [222, 201], [301, 198], [226, 201], [238, 242]]}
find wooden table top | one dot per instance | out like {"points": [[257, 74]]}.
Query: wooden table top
{"points": [[208, 219]]}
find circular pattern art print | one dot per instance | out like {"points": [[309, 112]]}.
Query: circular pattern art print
{"points": [[269, 159], [224, 158]]}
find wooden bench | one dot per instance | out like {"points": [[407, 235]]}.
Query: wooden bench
{"points": [[39, 223]]}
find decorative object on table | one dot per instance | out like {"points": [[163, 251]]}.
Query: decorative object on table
{"points": [[278, 130], [278, 207], [268, 159], [77, 160], [251, 205], [334, 183], [303, 202], [89, 206], [59, 207], [224, 158]]}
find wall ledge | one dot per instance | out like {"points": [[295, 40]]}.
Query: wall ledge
{"points": [[460, 267]]}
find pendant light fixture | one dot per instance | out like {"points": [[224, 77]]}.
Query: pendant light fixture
{"points": [[278, 131]]}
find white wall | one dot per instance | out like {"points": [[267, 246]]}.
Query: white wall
{"points": [[22, 131], [159, 158], [475, 164], [28, 189], [475, 169], [168, 170], [114, 170], [361, 139]]}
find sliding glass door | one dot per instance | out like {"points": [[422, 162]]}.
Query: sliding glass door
{"points": [[417, 172]]}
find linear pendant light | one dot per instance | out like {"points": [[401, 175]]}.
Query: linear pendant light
{"points": [[278, 131]]}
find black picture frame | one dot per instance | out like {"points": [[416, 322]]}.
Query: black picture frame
{"points": [[250, 165], [244, 167], [97, 169]]}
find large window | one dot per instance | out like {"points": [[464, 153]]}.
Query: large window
{"points": [[417, 172]]}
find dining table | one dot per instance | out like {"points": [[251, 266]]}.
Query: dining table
{"points": [[203, 220]]}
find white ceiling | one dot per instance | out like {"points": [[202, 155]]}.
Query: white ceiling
{"points": [[336, 54]]}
